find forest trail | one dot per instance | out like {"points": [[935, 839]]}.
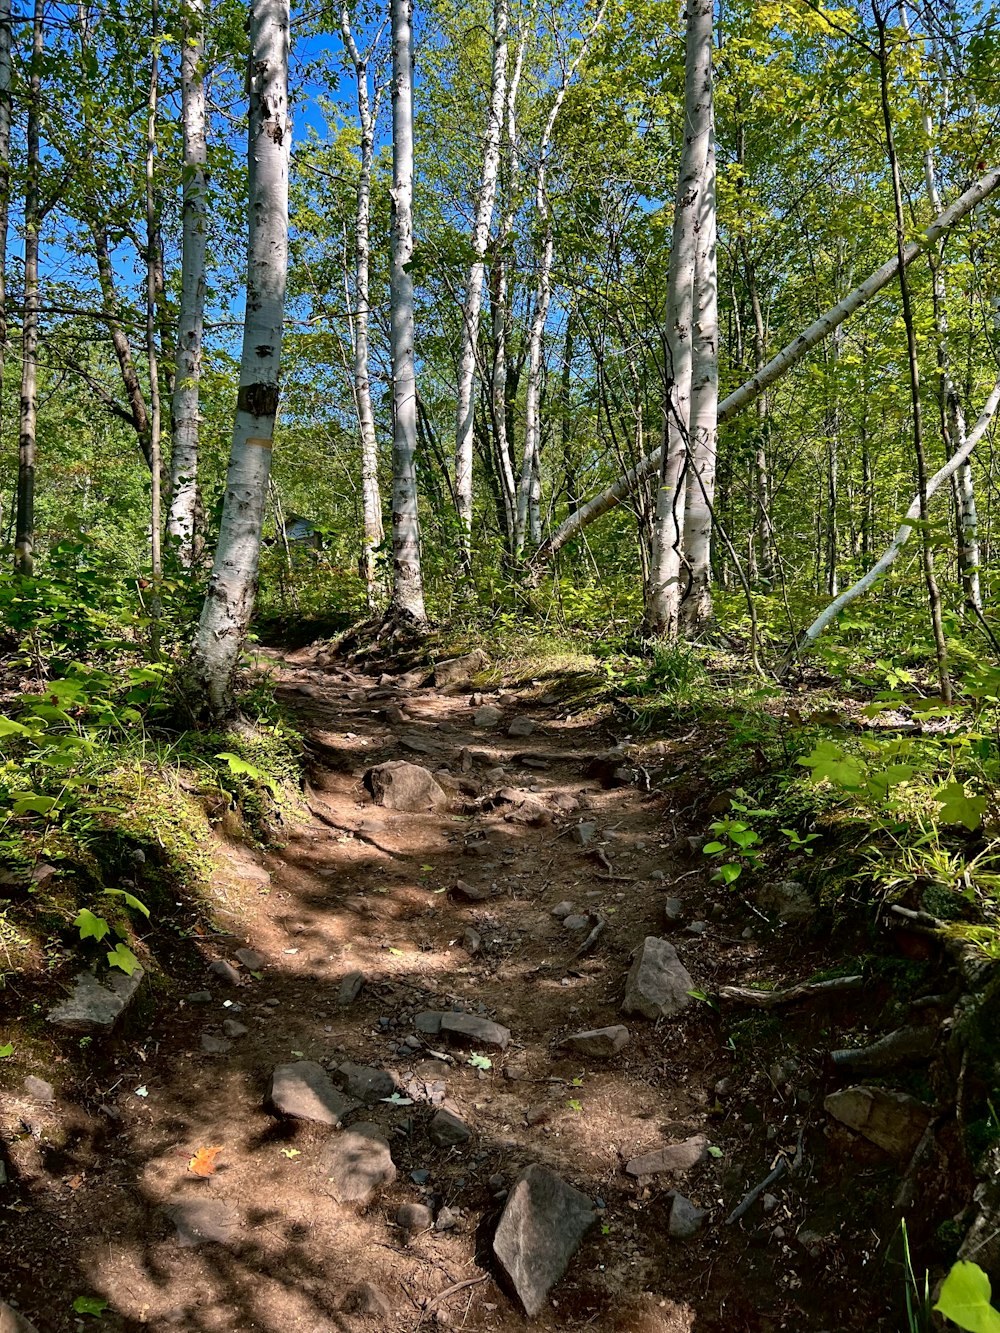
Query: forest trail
{"points": [[444, 912]]}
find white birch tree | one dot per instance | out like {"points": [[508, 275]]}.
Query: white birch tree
{"points": [[407, 603], [228, 606], [182, 519]]}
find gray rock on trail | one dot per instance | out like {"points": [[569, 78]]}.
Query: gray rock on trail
{"points": [[686, 1219], [894, 1121], [414, 1217], [351, 987], [563, 909], [13, 1322], [676, 1158], [357, 1164], [472, 941], [204, 1221], [583, 832], [470, 1029], [447, 1130], [541, 1227], [96, 1006], [459, 670], [673, 910], [225, 972], [428, 1021], [658, 982], [231, 1028], [39, 1090], [366, 1300], [487, 716], [304, 1091], [398, 785], [521, 726], [598, 1043], [576, 922], [364, 1082], [250, 959], [788, 900], [213, 1045]]}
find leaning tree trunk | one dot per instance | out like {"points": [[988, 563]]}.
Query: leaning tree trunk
{"points": [[407, 585], [182, 520], [24, 538], [374, 531], [471, 306], [5, 67], [782, 362], [225, 617], [663, 593], [696, 608]]}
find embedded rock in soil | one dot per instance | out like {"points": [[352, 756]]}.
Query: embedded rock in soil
{"points": [[398, 785], [233, 1029], [673, 910], [357, 1163], [204, 1221], [459, 670], [250, 959], [414, 1217], [447, 1130], [576, 922], [487, 716], [366, 1300], [788, 901], [658, 983], [39, 1090], [213, 1045], [563, 909], [599, 1043], [364, 1082], [303, 1091], [543, 1222], [418, 744], [468, 893], [583, 833], [521, 726], [472, 941], [893, 1121], [350, 988], [12, 1322], [95, 1006], [428, 1021], [686, 1220], [225, 972], [470, 1028], [677, 1158]]}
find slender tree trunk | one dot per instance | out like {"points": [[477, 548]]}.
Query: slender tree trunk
{"points": [[225, 617], [24, 539], [762, 522], [5, 108], [407, 587], [182, 521], [832, 429], [373, 532], [119, 340], [485, 201], [789, 356], [664, 591], [933, 592], [696, 608], [152, 360]]}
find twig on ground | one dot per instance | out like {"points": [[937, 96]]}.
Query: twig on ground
{"points": [[771, 999], [750, 1199], [591, 939]]}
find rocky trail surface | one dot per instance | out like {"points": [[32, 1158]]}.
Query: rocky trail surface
{"points": [[447, 1069]]}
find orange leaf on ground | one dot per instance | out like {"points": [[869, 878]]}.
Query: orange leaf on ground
{"points": [[203, 1162]]}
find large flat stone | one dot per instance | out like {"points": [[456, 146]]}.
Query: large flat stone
{"points": [[658, 982], [470, 1029], [304, 1091], [460, 670], [364, 1082], [204, 1221], [357, 1164], [96, 1006], [543, 1222], [894, 1121], [675, 1158], [599, 1043], [398, 785]]}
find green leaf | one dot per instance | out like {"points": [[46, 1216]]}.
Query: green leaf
{"points": [[130, 899], [710, 848], [574, 1104], [122, 956], [7, 1050], [31, 803], [730, 873], [965, 1299], [958, 807], [480, 1061], [8, 727], [92, 1305], [829, 762], [91, 927], [713, 1151]]}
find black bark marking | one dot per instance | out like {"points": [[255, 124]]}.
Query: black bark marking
{"points": [[259, 400]]}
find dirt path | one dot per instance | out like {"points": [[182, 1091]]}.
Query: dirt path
{"points": [[102, 1171]]}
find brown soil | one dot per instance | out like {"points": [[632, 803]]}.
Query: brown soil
{"points": [[359, 887]]}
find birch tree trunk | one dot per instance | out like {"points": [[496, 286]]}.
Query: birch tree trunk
{"points": [[407, 602], [182, 520], [153, 266], [24, 538], [225, 617], [472, 304], [696, 608], [531, 456], [663, 594], [371, 496], [789, 356], [5, 107]]}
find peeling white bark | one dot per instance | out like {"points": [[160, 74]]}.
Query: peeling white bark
{"points": [[225, 617], [183, 513]]}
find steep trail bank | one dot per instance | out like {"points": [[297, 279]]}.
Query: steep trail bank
{"points": [[443, 912]]}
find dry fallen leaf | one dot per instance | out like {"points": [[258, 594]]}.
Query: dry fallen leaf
{"points": [[203, 1162], [75, 1182]]}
